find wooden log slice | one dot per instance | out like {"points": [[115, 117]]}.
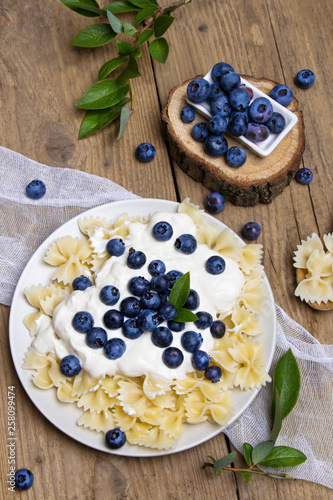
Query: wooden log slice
{"points": [[300, 276], [259, 179]]}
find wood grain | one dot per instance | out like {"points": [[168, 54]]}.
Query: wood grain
{"points": [[41, 77]]}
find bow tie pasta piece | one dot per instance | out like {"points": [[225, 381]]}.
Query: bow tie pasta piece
{"points": [[250, 257], [96, 401], [305, 249], [83, 383], [328, 241], [250, 373], [87, 223], [101, 421], [196, 214]]}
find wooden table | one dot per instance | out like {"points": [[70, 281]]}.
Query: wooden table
{"points": [[41, 76]]}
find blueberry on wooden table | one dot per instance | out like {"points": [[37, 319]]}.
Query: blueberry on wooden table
{"points": [[200, 131], [251, 230], [235, 157], [305, 78], [281, 94], [145, 152], [187, 114], [304, 176], [216, 145], [217, 125], [214, 202], [23, 479]]}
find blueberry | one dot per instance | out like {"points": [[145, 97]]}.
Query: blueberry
{"points": [[192, 301], [173, 276], [136, 259], [204, 320], [215, 265], [215, 91], [96, 337], [115, 439], [162, 231], [200, 360], [217, 125], [198, 90], [251, 231], [277, 123], [130, 307], [256, 132], [115, 247], [164, 296], [237, 124], [281, 94], [305, 78], [156, 267], [213, 373], [191, 341], [304, 176], [219, 70], [138, 285], [244, 113], [150, 300], [160, 283], [167, 311], [114, 348], [235, 156], [145, 152], [230, 81], [148, 320], [82, 321], [248, 89], [220, 106], [109, 295], [200, 131], [186, 243], [214, 202], [70, 366], [239, 99], [216, 145], [35, 189], [113, 319], [187, 114], [260, 110], [217, 329], [131, 329], [172, 357], [176, 326], [23, 479], [81, 283], [162, 337]]}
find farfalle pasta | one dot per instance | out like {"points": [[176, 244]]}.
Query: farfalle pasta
{"points": [[144, 396]]}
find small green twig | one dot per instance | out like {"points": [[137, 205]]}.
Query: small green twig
{"points": [[251, 470]]}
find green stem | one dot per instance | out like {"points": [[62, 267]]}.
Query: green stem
{"points": [[132, 94], [261, 473]]}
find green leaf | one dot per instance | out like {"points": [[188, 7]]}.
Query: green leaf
{"points": [[124, 48], [143, 3], [261, 451], [159, 49], [131, 70], [144, 37], [212, 459], [120, 7], [115, 23], [94, 35], [137, 53], [283, 456], [180, 291], [124, 116], [247, 476], [143, 14], [224, 461], [103, 94], [87, 8], [129, 29], [247, 452], [95, 120], [162, 24], [287, 381], [110, 66], [277, 419], [185, 316]]}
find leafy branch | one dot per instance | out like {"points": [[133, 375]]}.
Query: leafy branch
{"points": [[106, 100], [286, 386]]}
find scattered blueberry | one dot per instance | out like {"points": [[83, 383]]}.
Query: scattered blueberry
{"points": [[220, 69], [277, 123], [82, 321], [145, 152], [214, 202], [281, 94], [204, 320], [156, 267], [113, 319], [305, 78], [200, 131], [81, 283], [217, 329], [251, 230], [114, 348], [115, 247], [239, 99], [148, 320], [70, 366], [192, 301], [200, 360], [230, 81], [237, 124], [167, 311], [304, 176], [256, 132], [198, 90], [173, 276], [217, 125], [186, 243], [220, 106], [130, 307], [35, 189], [260, 110], [109, 295], [216, 145], [235, 156], [176, 326], [23, 479], [150, 300], [172, 357], [162, 231], [162, 337], [213, 373], [215, 265], [96, 337], [115, 439], [187, 114], [136, 259], [138, 285], [191, 341], [131, 329]]}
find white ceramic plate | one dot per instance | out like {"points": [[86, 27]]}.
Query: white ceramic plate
{"points": [[65, 415], [260, 148]]}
